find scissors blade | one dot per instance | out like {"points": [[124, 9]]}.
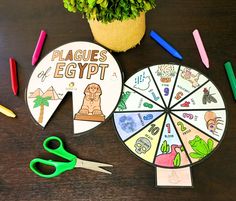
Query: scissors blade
{"points": [[92, 165]]}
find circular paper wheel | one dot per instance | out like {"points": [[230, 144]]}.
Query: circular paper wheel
{"points": [[86, 70], [170, 116]]}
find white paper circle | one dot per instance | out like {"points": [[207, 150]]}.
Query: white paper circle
{"points": [[87, 70]]}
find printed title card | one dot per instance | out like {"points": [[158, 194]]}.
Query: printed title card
{"points": [[86, 70]]}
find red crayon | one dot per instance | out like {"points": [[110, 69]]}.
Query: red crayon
{"points": [[14, 80]]}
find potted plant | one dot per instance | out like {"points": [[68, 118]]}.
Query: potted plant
{"points": [[117, 24]]}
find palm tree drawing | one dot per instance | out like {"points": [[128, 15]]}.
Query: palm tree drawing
{"points": [[41, 101]]}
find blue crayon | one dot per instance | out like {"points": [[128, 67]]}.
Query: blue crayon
{"points": [[165, 45]]}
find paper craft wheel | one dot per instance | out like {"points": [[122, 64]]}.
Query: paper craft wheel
{"points": [[85, 69], [170, 116]]}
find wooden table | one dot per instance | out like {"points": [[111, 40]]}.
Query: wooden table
{"points": [[21, 140]]}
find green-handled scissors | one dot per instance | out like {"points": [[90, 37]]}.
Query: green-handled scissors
{"points": [[61, 167]]}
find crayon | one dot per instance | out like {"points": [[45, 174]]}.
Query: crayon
{"points": [[231, 77], [201, 48], [39, 47], [7, 112], [14, 80], [165, 45]]}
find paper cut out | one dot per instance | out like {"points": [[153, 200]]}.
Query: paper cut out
{"points": [[206, 97], [171, 152], [144, 143], [143, 83], [133, 101], [165, 76], [189, 76], [131, 122], [211, 122], [188, 81], [42, 99], [91, 107], [86, 70], [173, 177], [190, 125]]}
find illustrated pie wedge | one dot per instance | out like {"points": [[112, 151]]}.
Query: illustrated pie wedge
{"points": [[188, 80], [211, 122], [144, 143], [197, 144], [144, 84], [171, 152], [132, 122], [133, 101], [206, 97], [165, 77]]}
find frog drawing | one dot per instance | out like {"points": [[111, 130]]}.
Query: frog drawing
{"points": [[124, 98], [200, 147]]}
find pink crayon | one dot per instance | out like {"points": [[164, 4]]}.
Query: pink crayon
{"points": [[201, 48], [38, 47]]}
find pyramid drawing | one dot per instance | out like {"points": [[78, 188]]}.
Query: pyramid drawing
{"points": [[52, 93], [37, 92]]}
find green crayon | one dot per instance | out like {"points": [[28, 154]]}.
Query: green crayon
{"points": [[231, 76]]}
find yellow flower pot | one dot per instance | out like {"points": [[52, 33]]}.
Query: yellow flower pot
{"points": [[119, 36]]}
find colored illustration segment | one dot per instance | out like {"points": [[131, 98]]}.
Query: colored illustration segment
{"points": [[170, 152], [188, 134], [129, 123], [188, 80], [143, 83], [144, 144], [165, 76], [206, 97], [132, 101], [197, 144], [211, 122]]}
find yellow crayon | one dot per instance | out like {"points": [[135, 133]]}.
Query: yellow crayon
{"points": [[7, 112]]}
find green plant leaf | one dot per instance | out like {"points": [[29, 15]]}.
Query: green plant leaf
{"points": [[109, 10], [91, 3], [163, 146], [37, 104], [41, 101], [195, 155], [45, 102], [167, 148], [70, 5], [177, 160], [104, 4], [38, 101], [38, 98]]}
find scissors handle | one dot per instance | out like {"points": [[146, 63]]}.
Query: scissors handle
{"points": [[60, 167], [59, 151]]}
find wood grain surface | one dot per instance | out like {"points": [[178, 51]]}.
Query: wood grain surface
{"points": [[21, 140]]}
